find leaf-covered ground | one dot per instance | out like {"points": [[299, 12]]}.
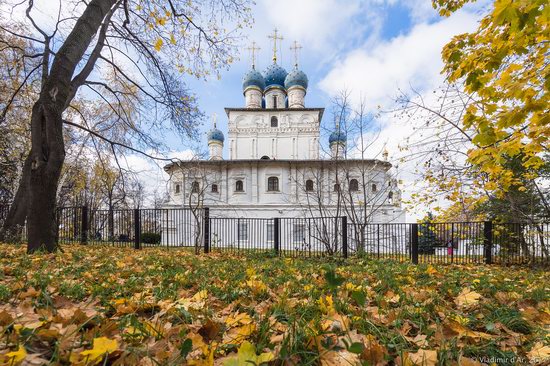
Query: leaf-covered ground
{"points": [[98, 305]]}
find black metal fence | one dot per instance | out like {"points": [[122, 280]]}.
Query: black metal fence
{"points": [[462, 242]]}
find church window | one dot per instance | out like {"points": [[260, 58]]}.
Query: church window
{"points": [[265, 157], [195, 187], [239, 187], [274, 122], [274, 101], [309, 185], [242, 228], [273, 184], [353, 185], [374, 188], [337, 187], [214, 188], [177, 188], [390, 198]]}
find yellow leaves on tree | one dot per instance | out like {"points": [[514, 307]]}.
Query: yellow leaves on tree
{"points": [[504, 66], [158, 44], [101, 347]]}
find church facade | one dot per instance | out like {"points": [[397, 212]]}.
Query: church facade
{"points": [[274, 166]]}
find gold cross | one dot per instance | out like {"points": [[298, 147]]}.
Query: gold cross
{"points": [[275, 37], [296, 48], [214, 119], [253, 50]]}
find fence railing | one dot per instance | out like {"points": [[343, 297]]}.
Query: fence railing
{"points": [[459, 242]]}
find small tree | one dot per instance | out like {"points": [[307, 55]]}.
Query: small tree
{"points": [[427, 239]]}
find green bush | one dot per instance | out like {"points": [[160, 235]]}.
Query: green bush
{"points": [[150, 238]]}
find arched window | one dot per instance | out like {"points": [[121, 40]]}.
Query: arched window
{"points": [[390, 197], [265, 157], [374, 188], [274, 101], [337, 187], [239, 187], [309, 185], [272, 184], [195, 187], [214, 188], [353, 185], [274, 122], [177, 189]]}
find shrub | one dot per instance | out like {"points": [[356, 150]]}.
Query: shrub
{"points": [[150, 238]]}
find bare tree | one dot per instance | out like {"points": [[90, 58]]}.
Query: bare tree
{"points": [[128, 54], [355, 182]]}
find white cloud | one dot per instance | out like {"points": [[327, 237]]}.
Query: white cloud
{"points": [[376, 72], [411, 60], [315, 23]]}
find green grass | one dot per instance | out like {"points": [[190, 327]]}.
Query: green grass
{"points": [[303, 311]]}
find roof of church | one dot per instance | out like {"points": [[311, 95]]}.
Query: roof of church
{"points": [[274, 75], [382, 163], [296, 78], [320, 110], [253, 78]]}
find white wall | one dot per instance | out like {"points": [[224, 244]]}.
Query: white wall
{"points": [[296, 137]]}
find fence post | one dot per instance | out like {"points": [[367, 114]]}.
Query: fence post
{"points": [[345, 236], [206, 230], [488, 241], [137, 229], [414, 243], [276, 237], [378, 240], [84, 226]]}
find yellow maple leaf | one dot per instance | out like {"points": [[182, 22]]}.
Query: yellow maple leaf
{"points": [[100, 347], [14, 357], [431, 270], [539, 353], [467, 297], [247, 355], [423, 357]]}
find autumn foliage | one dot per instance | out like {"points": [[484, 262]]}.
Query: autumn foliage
{"points": [[104, 305]]}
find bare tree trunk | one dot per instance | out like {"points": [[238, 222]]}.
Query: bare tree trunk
{"points": [[15, 220], [48, 150], [47, 155]]}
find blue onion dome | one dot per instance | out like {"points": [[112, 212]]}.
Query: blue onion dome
{"points": [[215, 135], [337, 136], [296, 78], [274, 75], [253, 78]]}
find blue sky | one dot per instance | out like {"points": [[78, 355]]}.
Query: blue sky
{"points": [[371, 48]]}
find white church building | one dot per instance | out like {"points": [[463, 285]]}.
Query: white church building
{"points": [[274, 166]]}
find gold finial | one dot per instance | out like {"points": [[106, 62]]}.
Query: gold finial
{"points": [[253, 50], [296, 48], [385, 154], [275, 36]]}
